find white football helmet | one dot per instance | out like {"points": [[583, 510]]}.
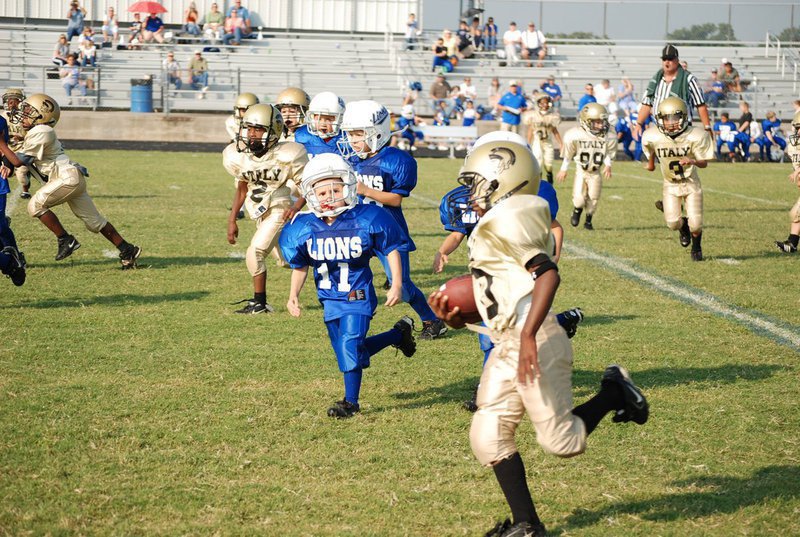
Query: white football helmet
{"points": [[407, 111], [370, 117], [326, 103], [320, 174]]}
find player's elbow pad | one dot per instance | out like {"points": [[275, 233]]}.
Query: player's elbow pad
{"points": [[27, 160]]}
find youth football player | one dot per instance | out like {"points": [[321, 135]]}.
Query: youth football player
{"points": [[337, 239], [771, 134], [240, 105], [681, 149], [12, 262], [591, 148], [292, 103], [386, 175], [530, 368], [789, 246], [543, 122], [65, 180], [267, 172], [321, 132], [12, 98]]}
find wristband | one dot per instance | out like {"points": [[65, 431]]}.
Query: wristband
{"points": [[564, 165], [607, 162]]}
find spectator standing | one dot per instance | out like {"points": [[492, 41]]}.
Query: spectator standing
{"points": [[587, 98], [110, 26], [61, 51], [153, 29], [75, 17], [198, 68], [550, 87], [190, 19], [493, 95], [476, 33], [412, 31], [71, 78], [512, 43], [173, 70], [743, 139], [534, 45], [626, 99], [606, 96], [440, 58], [512, 104], [439, 93], [234, 28], [215, 23], [490, 35], [88, 53], [468, 91], [730, 77]]}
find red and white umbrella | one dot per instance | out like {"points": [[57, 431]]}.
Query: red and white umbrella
{"points": [[146, 6]]}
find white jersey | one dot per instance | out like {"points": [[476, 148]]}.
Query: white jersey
{"points": [[794, 155], [43, 145], [542, 125], [232, 127], [694, 142], [504, 240], [588, 151], [16, 133], [272, 179]]}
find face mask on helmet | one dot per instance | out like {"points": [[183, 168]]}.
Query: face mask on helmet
{"points": [[324, 115], [672, 117], [38, 109], [459, 208], [329, 185], [594, 119], [292, 114], [365, 129], [545, 104], [260, 130]]}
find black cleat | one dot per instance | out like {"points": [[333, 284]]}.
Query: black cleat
{"points": [[685, 234], [697, 255], [253, 307], [660, 205], [569, 320], [343, 409], [25, 195], [635, 408], [128, 256], [15, 271], [575, 219], [588, 225], [433, 329], [407, 345], [66, 245], [520, 529], [786, 247]]}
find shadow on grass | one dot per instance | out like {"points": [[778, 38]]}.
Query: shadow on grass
{"points": [[454, 393], [680, 376], [721, 495], [144, 262], [123, 196], [110, 300]]}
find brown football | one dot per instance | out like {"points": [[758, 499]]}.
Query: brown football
{"points": [[459, 294]]}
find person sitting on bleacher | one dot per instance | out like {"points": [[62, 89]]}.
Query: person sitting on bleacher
{"points": [[725, 133], [173, 71], [714, 90], [234, 29], [136, 33], [244, 13], [190, 19], [88, 53], [771, 134], [215, 22], [469, 114], [110, 26], [440, 58], [730, 77], [199, 70], [407, 125], [61, 51], [71, 78], [153, 29]]}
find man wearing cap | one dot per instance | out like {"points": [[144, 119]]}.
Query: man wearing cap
{"points": [[512, 104], [199, 69], [714, 90], [440, 91], [730, 77], [173, 70], [533, 45], [550, 87]]}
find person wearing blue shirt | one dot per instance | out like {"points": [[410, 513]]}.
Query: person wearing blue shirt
{"points": [[725, 131], [771, 134], [553, 90], [12, 262], [153, 29], [512, 105], [625, 136], [337, 240], [634, 117], [321, 132], [587, 98], [386, 175], [407, 125], [244, 14]]}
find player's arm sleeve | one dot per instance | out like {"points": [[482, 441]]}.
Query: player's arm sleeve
{"points": [[704, 149], [292, 246], [569, 147], [386, 234], [36, 142], [611, 149], [404, 177], [230, 162], [295, 163]]}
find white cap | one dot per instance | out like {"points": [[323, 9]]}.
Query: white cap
{"points": [[724, 60]]}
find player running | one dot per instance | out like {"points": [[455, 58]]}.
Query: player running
{"points": [[789, 246]]}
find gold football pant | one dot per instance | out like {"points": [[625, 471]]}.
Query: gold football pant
{"points": [[691, 194], [509, 127], [794, 214], [543, 151], [265, 241], [586, 191], [69, 186], [502, 400]]}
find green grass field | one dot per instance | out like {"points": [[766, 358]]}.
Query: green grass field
{"points": [[137, 403]]}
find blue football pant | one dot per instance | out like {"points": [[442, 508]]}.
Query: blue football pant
{"points": [[6, 235]]}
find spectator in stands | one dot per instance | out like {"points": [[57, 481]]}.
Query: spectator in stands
{"points": [[725, 133], [75, 18], [71, 78], [550, 87], [61, 51], [796, 105], [441, 60], [534, 45], [136, 32], [455, 104], [512, 43], [512, 104], [493, 95], [464, 38], [714, 90], [626, 99], [587, 98], [605, 95], [439, 93], [407, 124], [685, 64], [198, 68], [153, 29], [771, 134], [743, 139], [173, 70], [88, 53], [110, 26], [87, 35], [476, 33], [412, 31], [234, 28], [441, 118], [190, 18], [468, 91], [215, 23], [470, 114], [244, 13], [490, 35], [451, 42], [730, 77]]}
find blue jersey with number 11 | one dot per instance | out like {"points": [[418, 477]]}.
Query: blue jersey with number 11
{"points": [[340, 254]]}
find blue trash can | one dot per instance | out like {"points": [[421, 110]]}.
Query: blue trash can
{"points": [[141, 95]]}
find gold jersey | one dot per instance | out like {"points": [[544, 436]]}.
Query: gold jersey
{"points": [[794, 155], [15, 133], [232, 127], [542, 125], [271, 179], [587, 150], [504, 240], [692, 143], [50, 162]]}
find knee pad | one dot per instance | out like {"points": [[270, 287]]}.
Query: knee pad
{"points": [[564, 437], [94, 223], [674, 225], [491, 439], [254, 259], [36, 207]]}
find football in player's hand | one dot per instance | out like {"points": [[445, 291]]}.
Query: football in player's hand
{"points": [[459, 294]]}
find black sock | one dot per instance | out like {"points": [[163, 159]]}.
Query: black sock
{"points": [[123, 246], [589, 218], [595, 409], [510, 474], [62, 237], [685, 224], [261, 298], [793, 240], [696, 242]]}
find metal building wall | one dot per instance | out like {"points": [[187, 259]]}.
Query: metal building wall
{"points": [[332, 15]]}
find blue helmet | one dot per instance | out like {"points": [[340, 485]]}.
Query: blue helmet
{"points": [[416, 86]]}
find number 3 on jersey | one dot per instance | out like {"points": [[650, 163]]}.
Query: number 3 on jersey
{"points": [[325, 280]]}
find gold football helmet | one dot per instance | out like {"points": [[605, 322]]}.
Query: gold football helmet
{"points": [[259, 117], [293, 104], [498, 170], [544, 101], [794, 137], [594, 119], [12, 94], [242, 103], [38, 109], [672, 116]]}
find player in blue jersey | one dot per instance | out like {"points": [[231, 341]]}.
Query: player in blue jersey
{"points": [[725, 133], [12, 262], [337, 240], [637, 151], [771, 128], [407, 125], [625, 136], [321, 134], [386, 175]]}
